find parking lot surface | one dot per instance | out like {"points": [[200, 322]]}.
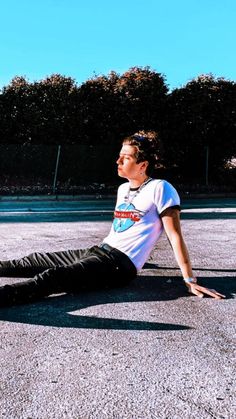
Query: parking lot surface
{"points": [[149, 350]]}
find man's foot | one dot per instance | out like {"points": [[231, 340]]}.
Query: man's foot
{"points": [[6, 268], [4, 297]]}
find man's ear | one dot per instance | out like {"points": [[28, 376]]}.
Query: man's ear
{"points": [[144, 165]]}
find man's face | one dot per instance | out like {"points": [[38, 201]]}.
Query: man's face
{"points": [[127, 163]]}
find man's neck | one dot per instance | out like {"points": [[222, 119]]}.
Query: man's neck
{"points": [[136, 183]]}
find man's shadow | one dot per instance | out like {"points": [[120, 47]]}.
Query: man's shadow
{"points": [[56, 310]]}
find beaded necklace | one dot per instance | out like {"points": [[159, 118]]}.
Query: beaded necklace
{"points": [[129, 198]]}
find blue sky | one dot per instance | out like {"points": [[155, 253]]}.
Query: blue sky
{"points": [[180, 39]]}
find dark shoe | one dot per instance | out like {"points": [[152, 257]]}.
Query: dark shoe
{"points": [[4, 297], [6, 268], [18, 293]]}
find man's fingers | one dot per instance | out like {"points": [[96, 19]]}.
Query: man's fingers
{"points": [[193, 290], [211, 292], [196, 292], [200, 291], [218, 293]]}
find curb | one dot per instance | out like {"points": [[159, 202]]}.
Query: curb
{"points": [[97, 196]]}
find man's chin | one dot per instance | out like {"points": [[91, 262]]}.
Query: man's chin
{"points": [[120, 174]]}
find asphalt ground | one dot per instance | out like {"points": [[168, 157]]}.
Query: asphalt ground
{"points": [[149, 350]]}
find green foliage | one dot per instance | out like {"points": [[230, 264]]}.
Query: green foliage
{"points": [[198, 118], [142, 94], [201, 116], [39, 112], [111, 106]]}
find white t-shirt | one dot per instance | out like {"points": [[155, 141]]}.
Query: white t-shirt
{"points": [[137, 224]]}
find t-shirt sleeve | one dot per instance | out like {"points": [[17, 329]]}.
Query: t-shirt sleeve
{"points": [[166, 196]]}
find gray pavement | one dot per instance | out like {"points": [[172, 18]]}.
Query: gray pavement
{"points": [[149, 350]]}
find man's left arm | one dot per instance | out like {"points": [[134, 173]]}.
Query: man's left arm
{"points": [[171, 222]]}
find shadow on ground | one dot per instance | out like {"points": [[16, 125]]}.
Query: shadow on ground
{"points": [[56, 310]]}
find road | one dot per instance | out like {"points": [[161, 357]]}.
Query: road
{"points": [[46, 209], [146, 351]]}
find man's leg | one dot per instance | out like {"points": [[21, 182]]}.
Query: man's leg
{"points": [[75, 277], [38, 262]]}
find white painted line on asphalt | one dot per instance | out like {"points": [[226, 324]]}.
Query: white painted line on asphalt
{"points": [[202, 210], [57, 212]]}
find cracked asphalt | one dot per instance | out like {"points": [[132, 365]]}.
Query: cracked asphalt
{"points": [[149, 350]]}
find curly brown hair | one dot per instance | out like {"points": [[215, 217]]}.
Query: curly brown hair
{"points": [[148, 148]]}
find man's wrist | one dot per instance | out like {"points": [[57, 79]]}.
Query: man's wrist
{"points": [[190, 280]]}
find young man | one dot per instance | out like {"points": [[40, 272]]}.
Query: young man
{"points": [[145, 207]]}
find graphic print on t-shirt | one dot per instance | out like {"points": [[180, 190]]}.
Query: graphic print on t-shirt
{"points": [[125, 216]]}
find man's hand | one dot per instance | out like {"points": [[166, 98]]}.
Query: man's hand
{"points": [[200, 291]]}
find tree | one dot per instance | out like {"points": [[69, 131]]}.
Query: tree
{"points": [[52, 105], [15, 127], [39, 112], [96, 110], [201, 118], [142, 94], [112, 106]]}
